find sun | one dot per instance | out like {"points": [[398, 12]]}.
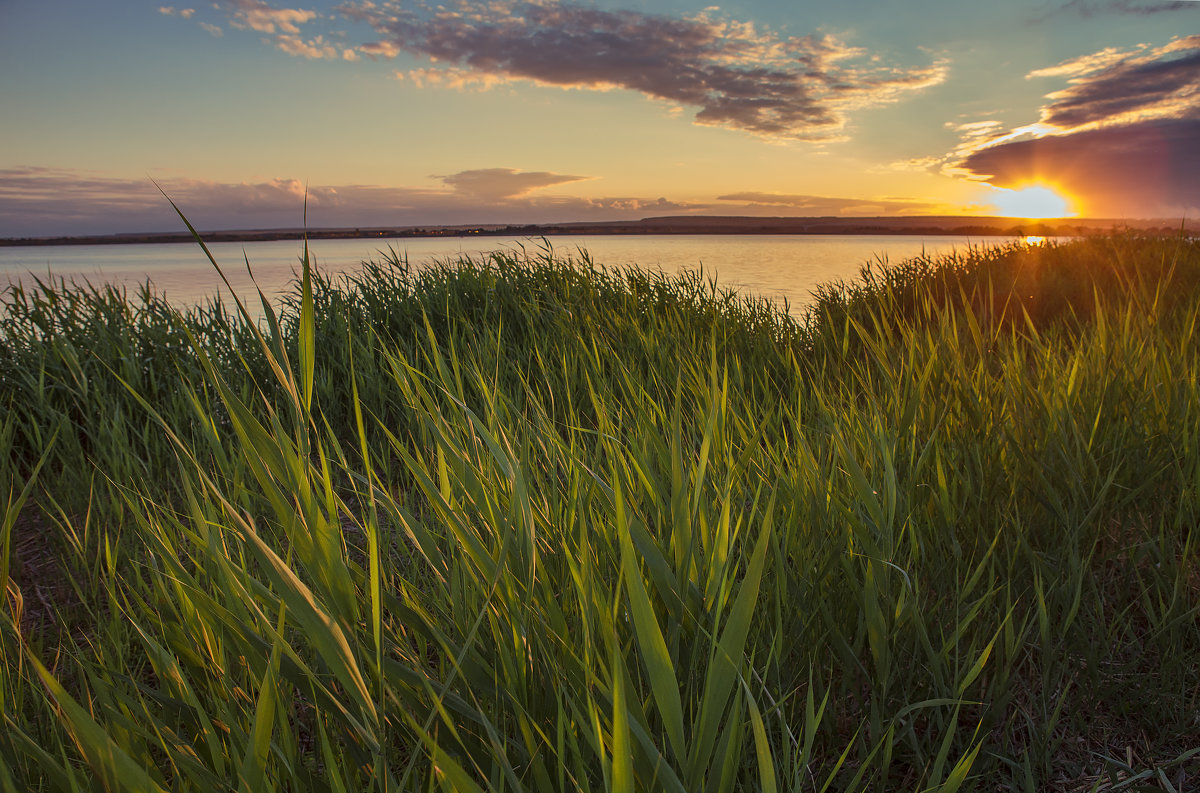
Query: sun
{"points": [[1034, 201]]}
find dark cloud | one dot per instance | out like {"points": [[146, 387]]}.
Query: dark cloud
{"points": [[825, 205], [734, 74], [1113, 85], [52, 201], [1123, 136], [1145, 169], [498, 183]]}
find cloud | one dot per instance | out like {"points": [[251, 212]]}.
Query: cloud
{"points": [[257, 15], [457, 79], [55, 201], [1120, 87], [188, 13], [494, 184], [825, 205], [383, 49], [38, 201], [316, 48], [974, 129], [1147, 169], [283, 27], [1090, 8], [640, 206], [913, 165], [1122, 135], [734, 74]]}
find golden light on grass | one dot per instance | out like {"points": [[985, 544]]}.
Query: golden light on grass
{"points": [[1034, 201], [395, 587]]}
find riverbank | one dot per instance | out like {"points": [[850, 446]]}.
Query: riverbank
{"points": [[916, 225], [526, 524]]}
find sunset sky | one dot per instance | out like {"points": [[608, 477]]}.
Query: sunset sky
{"points": [[402, 113]]}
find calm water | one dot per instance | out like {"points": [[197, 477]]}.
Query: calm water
{"points": [[776, 267]]}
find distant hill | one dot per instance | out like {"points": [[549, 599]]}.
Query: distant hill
{"points": [[681, 224]]}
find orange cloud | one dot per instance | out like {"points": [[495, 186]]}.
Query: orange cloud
{"points": [[257, 15]]}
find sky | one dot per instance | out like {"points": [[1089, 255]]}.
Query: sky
{"points": [[250, 113]]}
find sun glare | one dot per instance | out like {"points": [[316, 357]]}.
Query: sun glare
{"points": [[1035, 201]]}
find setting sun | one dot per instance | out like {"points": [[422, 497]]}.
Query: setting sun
{"points": [[1036, 201]]}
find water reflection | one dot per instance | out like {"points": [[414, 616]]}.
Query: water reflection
{"points": [[778, 268]]}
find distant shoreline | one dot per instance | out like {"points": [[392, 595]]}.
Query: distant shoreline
{"points": [[910, 225]]}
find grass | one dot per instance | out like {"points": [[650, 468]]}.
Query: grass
{"points": [[524, 523]]}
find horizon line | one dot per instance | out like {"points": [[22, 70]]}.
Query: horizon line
{"points": [[661, 224]]}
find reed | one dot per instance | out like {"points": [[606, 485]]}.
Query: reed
{"points": [[526, 523]]}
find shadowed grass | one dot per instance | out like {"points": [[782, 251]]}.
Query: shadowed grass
{"points": [[526, 523]]}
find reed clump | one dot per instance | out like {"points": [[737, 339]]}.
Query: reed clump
{"points": [[523, 522]]}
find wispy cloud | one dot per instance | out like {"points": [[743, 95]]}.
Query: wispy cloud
{"points": [[496, 184], [975, 129], [36, 200], [53, 201], [257, 15], [456, 79], [282, 27], [734, 74], [1115, 86], [816, 205], [912, 164], [313, 48], [1091, 8], [1123, 133]]}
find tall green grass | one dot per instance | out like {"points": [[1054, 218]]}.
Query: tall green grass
{"points": [[528, 523]]}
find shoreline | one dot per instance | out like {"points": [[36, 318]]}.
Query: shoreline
{"points": [[714, 225]]}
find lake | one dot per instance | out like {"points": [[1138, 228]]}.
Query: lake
{"points": [[784, 267]]}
